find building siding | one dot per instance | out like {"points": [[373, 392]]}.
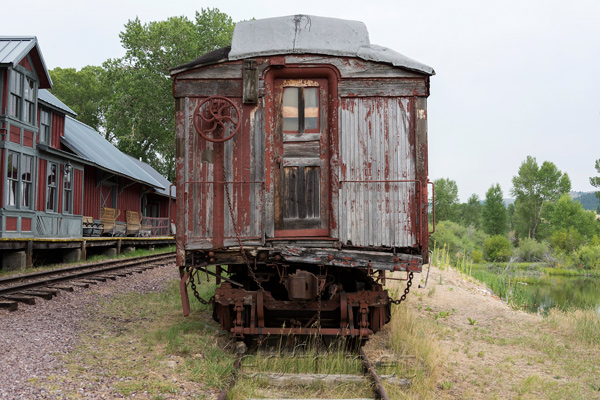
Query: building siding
{"points": [[91, 199], [41, 187], [77, 191]]}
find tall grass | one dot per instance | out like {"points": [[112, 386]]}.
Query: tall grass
{"points": [[580, 325], [414, 340]]}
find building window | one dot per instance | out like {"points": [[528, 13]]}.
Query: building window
{"points": [[12, 174], [301, 109], [44, 127], [51, 192], [22, 97], [26, 181], [29, 96], [16, 93], [68, 191]]}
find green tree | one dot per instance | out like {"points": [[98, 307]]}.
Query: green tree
{"points": [[533, 187], [595, 182], [494, 213], [141, 109], [83, 92], [567, 213], [470, 212], [446, 200]]}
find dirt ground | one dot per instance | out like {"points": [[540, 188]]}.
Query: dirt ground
{"points": [[493, 351]]}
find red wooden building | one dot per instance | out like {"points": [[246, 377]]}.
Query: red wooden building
{"points": [[54, 170]]}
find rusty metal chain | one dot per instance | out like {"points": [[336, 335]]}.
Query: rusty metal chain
{"points": [[406, 290], [195, 290], [234, 222], [319, 308]]}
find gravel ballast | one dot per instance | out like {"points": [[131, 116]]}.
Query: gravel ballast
{"points": [[33, 338]]}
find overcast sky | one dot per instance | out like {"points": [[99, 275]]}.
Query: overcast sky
{"points": [[513, 78]]}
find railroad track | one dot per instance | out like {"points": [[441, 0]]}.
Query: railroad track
{"points": [[370, 376], [47, 284]]}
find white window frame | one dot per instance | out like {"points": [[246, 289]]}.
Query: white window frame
{"points": [[12, 183], [52, 188], [68, 192]]}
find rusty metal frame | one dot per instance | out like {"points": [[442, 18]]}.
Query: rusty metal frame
{"points": [[256, 302]]}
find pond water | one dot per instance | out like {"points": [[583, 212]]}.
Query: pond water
{"points": [[561, 292]]}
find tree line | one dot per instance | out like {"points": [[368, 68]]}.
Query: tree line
{"points": [[129, 99], [543, 223]]}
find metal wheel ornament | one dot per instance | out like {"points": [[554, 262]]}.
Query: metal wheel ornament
{"points": [[213, 115]]}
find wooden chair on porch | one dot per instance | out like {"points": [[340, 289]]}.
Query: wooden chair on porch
{"points": [[108, 217], [133, 223]]}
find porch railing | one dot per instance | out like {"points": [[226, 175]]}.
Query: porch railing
{"points": [[155, 227]]}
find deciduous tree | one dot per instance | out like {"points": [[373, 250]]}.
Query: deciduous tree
{"points": [[141, 108], [83, 92], [533, 186], [595, 182], [446, 200], [470, 212], [494, 214]]}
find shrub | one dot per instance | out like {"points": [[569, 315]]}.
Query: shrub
{"points": [[497, 248], [477, 256], [566, 240], [457, 238], [589, 257], [531, 250]]}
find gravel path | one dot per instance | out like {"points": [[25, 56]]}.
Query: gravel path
{"points": [[33, 338]]}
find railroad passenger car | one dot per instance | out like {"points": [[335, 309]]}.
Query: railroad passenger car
{"points": [[302, 176]]}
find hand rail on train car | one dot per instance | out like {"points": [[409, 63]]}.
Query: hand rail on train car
{"points": [[432, 204]]}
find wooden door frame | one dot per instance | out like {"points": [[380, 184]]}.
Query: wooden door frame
{"points": [[272, 151]]}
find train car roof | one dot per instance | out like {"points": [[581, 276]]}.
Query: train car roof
{"points": [[305, 34]]}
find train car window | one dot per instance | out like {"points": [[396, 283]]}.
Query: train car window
{"points": [[300, 109]]}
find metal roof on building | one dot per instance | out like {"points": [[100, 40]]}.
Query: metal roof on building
{"points": [[156, 175], [48, 98], [14, 48], [86, 142], [311, 34]]}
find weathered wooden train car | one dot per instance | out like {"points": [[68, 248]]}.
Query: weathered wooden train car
{"points": [[302, 173]]}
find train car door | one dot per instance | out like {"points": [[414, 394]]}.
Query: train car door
{"points": [[302, 167]]}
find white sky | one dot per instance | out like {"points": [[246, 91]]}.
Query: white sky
{"points": [[514, 78]]}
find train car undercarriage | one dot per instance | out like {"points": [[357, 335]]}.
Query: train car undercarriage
{"points": [[256, 299]]}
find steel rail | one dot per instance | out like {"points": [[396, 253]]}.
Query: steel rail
{"points": [[380, 393], [72, 276], [237, 365], [18, 278]]}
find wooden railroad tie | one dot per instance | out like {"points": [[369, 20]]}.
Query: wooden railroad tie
{"points": [[279, 379], [9, 305], [36, 293], [20, 298]]}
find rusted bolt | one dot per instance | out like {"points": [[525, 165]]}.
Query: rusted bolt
{"points": [[330, 257], [211, 253], [396, 259], [396, 268], [212, 260], [262, 256], [277, 257]]}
